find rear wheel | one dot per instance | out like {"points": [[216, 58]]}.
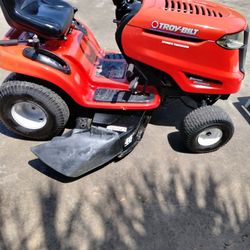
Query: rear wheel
{"points": [[32, 111], [207, 129]]}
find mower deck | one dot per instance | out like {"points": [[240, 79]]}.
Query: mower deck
{"points": [[83, 150]]}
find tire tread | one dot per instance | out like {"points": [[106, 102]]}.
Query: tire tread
{"points": [[201, 118], [46, 95]]}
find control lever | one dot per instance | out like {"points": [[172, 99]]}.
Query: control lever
{"points": [[130, 71], [9, 42], [133, 84], [36, 42], [13, 42]]}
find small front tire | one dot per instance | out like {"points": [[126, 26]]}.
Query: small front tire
{"points": [[32, 111], [207, 129]]}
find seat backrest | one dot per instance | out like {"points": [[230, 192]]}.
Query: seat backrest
{"points": [[11, 8], [12, 5], [49, 19]]}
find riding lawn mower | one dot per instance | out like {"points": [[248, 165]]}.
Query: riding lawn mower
{"points": [[169, 49]]}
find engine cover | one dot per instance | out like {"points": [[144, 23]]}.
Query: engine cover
{"points": [[196, 18], [179, 38]]}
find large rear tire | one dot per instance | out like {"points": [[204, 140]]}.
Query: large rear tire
{"points": [[32, 111], [207, 129]]}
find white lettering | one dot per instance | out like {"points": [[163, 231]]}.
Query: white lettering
{"points": [[174, 28]]}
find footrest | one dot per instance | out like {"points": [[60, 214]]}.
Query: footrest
{"points": [[121, 96]]}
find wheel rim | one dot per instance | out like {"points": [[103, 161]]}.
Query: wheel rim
{"points": [[29, 115], [210, 137]]}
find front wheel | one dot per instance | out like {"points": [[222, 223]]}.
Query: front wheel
{"points": [[32, 111], [207, 129]]}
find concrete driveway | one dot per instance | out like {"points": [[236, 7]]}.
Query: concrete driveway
{"points": [[156, 198]]}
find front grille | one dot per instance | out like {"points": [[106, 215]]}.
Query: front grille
{"points": [[189, 7], [243, 51]]}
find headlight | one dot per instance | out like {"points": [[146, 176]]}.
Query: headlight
{"points": [[233, 41]]}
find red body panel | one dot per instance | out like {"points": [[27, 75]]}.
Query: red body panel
{"points": [[179, 56], [211, 28], [82, 54], [205, 59], [171, 55]]}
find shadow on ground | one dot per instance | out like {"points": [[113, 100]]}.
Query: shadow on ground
{"points": [[172, 114], [240, 106], [144, 214], [39, 166], [5, 131]]}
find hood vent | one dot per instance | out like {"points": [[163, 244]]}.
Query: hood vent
{"points": [[190, 7]]}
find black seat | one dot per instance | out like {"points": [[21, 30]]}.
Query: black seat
{"points": [[49, 19]]}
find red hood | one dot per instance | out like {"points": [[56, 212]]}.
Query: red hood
{"points": [[196, 18]]}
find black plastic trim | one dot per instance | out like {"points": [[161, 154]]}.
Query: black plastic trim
{"points": [[133, 10], [80, 27], [48, 58], [243, 51], [175, 36], [121, 96], [11, 42], [80, 151], [28, 19], [205, 79]]}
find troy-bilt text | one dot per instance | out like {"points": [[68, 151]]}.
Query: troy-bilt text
{"points": [[174, 28]]}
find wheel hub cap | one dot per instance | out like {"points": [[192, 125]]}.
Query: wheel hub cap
{"points": [[29, 115], [210, 137]]}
